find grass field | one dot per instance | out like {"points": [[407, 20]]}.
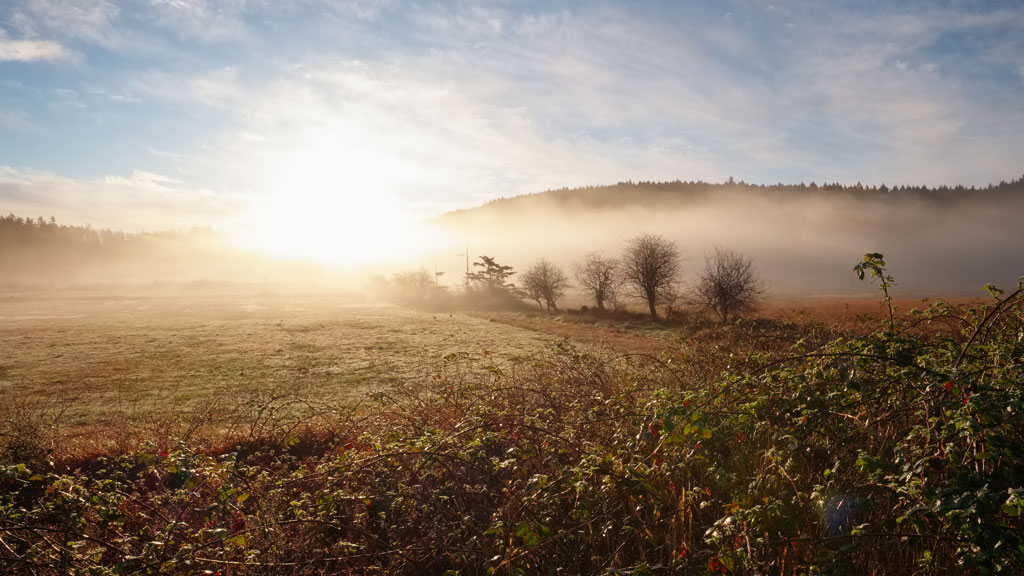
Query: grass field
{"points": [[119, 365], [247, 432], [136, 359]]}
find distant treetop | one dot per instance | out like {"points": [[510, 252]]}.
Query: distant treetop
{"points": [[682, 192]]}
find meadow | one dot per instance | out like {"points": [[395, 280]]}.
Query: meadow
{"points": [[125, 365], [107, 366], [243, 431]]}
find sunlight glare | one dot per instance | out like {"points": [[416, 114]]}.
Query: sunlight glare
{"points": [[320, 207]]}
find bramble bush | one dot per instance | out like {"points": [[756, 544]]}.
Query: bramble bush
{"points": [[896, 451]]}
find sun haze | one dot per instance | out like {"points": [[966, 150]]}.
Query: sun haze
{"points": [[318, 207]]}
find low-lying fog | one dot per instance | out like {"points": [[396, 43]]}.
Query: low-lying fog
{"points": [[803, 243]]}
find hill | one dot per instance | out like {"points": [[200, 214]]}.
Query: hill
{"points": [[948, 239], [679, 193]]}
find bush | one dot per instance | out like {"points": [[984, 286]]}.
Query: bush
{"points": [[416, 288], [729, 284]]}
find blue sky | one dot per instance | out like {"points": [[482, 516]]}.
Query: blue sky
{"points": [[152, 114]]}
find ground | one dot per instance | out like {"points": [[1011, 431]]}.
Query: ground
{"points": [[104, 360], [101, 365], [239, 428]]}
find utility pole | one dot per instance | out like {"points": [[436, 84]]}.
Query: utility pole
{"points": [[466, 254]]}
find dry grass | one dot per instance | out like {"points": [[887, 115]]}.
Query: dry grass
{"points": [[128, 361], [716, 455], [100, 369], [632, 331], [612, 333], [847, 313]]}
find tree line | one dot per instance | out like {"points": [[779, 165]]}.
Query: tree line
{"points": [[648, 270], [43, 250], [680, 191], [41, 234]]}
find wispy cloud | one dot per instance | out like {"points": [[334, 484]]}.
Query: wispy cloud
{"points": [[31, 50], [204, 20], [89, 20], [343, 127], [900, 107], [163, 153], [497, 102], [218, 88], [12, 119], [833, 95]]}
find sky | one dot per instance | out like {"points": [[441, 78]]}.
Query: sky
{"points": [[288, 117]]}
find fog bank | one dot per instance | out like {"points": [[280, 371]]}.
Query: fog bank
{"points": [[803, 243]]}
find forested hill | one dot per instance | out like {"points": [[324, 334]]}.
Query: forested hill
{"points": [[679, 193], [38, 250], [41, 235], [40, 242], [945, 239]]}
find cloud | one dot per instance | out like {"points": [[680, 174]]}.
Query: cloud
{"points": [[163, 28], [31, 50], [218, 88], [900, 109], [15, 120], [837, 95], [209, 21], [163, 153], [141, 201], [616, 85], [342, 127], [611, 79], [106, 94], [359, 10], [486, 102], [89, 20]]}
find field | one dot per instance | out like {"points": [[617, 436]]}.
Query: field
{"points": [[124, 365], [136, 361], [240, 431], [119, 366]]}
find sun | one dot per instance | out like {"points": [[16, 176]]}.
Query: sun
{"points": [[322, 207], [336, 230]]}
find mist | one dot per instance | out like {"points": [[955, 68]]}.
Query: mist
{"points": [[804, 244], [804, 241], [37, 254]]}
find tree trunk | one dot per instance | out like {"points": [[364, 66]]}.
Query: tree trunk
{"points": [[650, 303]]}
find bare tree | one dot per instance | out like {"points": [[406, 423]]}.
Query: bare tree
{"points": [[545, 281], [729, 283], [417, 288], [417, 280], [598, 275], [651, 266]]}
